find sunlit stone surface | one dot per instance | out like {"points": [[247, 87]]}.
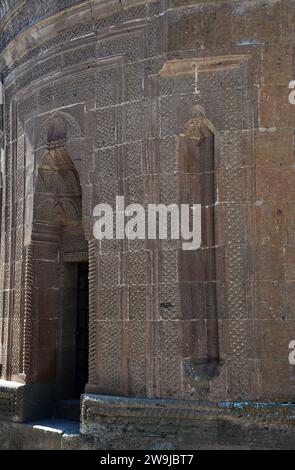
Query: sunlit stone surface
{"points": [[161, 101]]}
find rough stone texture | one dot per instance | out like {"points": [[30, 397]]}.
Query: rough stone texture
{"points": [[99, 101], [122, 423], [40, 435], [141, 424], [21, 402]]}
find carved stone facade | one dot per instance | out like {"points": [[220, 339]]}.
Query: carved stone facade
{"points": [[159, 101]]}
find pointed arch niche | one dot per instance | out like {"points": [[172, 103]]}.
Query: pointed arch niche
{"points": [[55, 345], [199, 274]]}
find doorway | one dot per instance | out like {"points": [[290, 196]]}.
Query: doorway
{"points": [[73, 338], [81, 375]]}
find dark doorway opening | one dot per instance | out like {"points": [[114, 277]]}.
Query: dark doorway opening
{"points": [[73, 341], [81, 375], [73, 332]]}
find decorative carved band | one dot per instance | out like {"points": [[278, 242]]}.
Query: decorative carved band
{"points": [[27, 337], [92, 312]]}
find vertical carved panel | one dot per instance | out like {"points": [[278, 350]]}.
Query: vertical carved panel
{"points": [[1, 275], [225, 260], [27, 315], [3, 259], [231, 160], [92, 249]]}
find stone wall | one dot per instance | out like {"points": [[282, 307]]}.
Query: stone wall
{"points": [[123, 79]]}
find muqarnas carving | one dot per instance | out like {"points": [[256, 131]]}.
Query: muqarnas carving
{"points": [[58, 177], [198, 269], [57, 234]]}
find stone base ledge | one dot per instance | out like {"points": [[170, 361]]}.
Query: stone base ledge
{"points": [[11, 399], [101, 408], [119, 423], [139, 423], [19, 402]]}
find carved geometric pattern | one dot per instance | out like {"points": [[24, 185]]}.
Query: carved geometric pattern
{"points": [[130, 44], [174, 113], [20, 185], [168, 155], [1, 329], [92, 249], [136, 194], [24, 18], [5, 335], [230, 144], [100, 25], [75, 90], [20, 152], [16, 328], [107, 87], [236, 298], [137, 120], [137, 302], [79, 55], [135, 77], [25, 109], [106, 127], [6, 276], [168, 189], [19, 243], [28, 299], [44, 67], [137, 373], [108, 163], [169, 301], [154, 36], [133, 155], [137, 268], [168, 266], [170, 354], [109, 270], [110, 344], [109, 304], [137, 358], [8, 403], [45, 98], [18, 274]]}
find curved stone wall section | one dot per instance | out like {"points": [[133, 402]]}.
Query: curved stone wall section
{"points": [[129, 74], [19, 15], [154, 311]]}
